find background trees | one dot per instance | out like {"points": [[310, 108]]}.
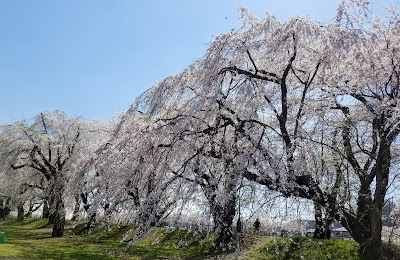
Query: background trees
{"points": [[49, 147]]}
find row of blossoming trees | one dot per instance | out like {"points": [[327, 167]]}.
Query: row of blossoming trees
{"points": [[304, 109]]}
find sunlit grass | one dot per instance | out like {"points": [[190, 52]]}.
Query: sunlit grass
{"points": [[31, 239], [305, 248]]}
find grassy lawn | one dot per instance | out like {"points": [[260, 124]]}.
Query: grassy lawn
{"points": [[305, 248], [31, 239]]}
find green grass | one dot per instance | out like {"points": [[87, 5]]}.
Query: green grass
{"points": [[305, 248], [31, 239]]}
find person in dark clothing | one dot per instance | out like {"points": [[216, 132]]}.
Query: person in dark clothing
{"points": [[257, 225]]}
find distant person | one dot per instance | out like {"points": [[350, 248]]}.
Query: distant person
{"points": [[257, 225]]}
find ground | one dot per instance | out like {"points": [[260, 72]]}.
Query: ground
{"points": [[31, 239]]}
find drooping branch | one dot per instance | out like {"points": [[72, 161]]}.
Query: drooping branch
{"points": [[269, 78]]}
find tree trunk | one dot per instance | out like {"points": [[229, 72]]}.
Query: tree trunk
{"points": [[52, 212], [150, 212], [29, 213], [239, 226], [359, 225], [223, 220], [46, 210], [30, 210], [366, 227], [322, 222], [59, 219], [1, 208], [20, 216], [4, 207], [223, 210], [75, 214], [52, 219], [372, 249], [56, 205], [7, 208], [91, 222], [371, 237]]}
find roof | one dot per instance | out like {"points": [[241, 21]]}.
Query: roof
{"points": [[341, 229]]}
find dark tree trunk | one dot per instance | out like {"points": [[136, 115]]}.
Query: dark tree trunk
{"points": [[52, 211], [58, 228], [372, 249], [2, 212], [28, 214], [322, 222], [56, 205], [20, 216], [239, 226], [75, 214], [46, 210], [4, 207], [366, 226], [150, 213], [91, 217], [52, 219], [91, 222], [157, 217], [223, 221], [223, 211], [59, 219], [7, 208], [359, 226]]}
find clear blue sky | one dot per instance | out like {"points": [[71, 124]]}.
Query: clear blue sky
{"points": [[92, 58]]}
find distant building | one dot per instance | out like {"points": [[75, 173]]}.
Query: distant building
{"points": [[310, 232], [340, 232]]}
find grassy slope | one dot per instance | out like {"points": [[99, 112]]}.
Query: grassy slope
{"points": [[31, 239], [304, 248]]}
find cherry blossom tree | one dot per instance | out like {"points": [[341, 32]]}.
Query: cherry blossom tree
{"points": [[364, 86], [268, 87], [121, 184], [228, 94], [49, 145], [17, 187], [149, 163], [83, 184]]}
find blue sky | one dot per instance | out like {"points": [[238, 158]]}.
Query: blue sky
{"points": [[92, 58]]}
